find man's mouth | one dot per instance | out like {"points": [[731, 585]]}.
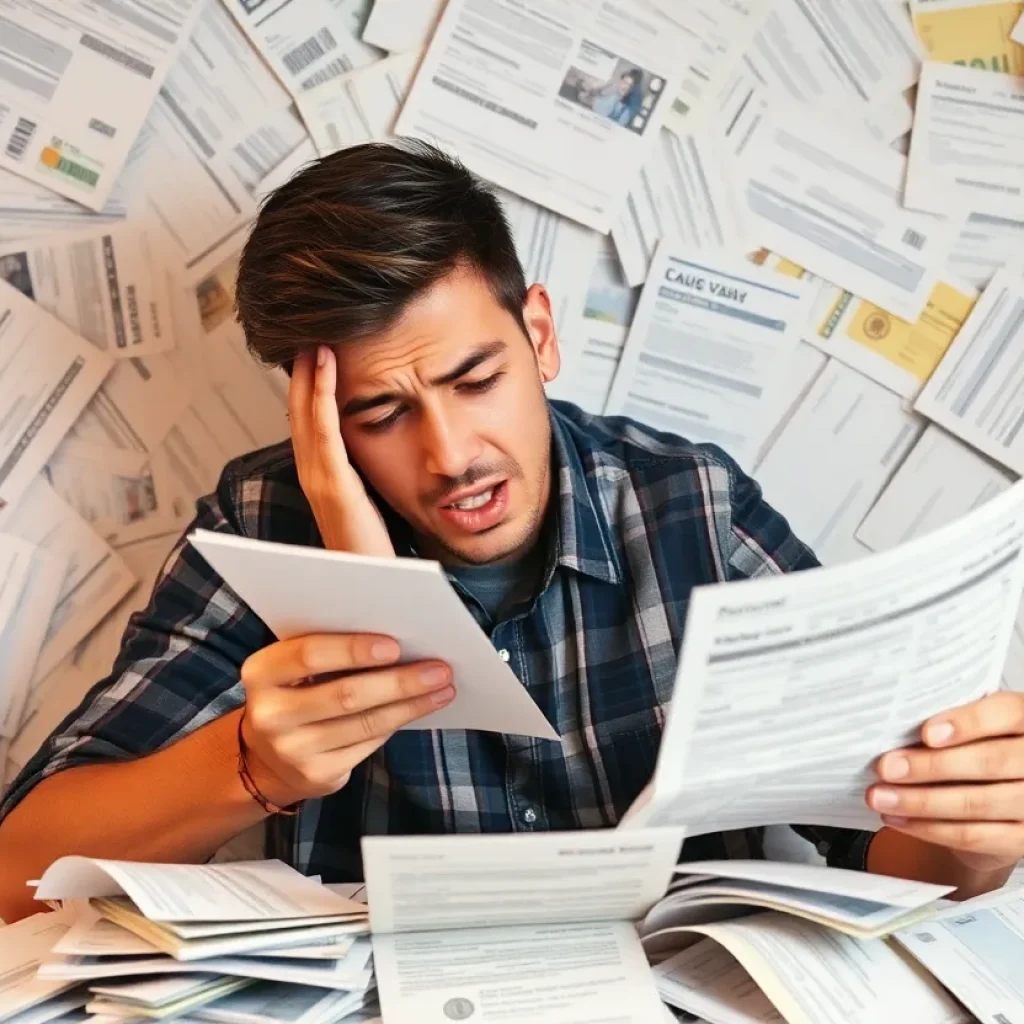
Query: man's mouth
{"points": [[475, 501], [478, 510]]}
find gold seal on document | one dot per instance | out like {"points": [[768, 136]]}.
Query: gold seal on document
{"points": [[877, 326]]}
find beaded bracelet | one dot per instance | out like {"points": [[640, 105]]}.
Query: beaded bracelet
{"points": [[250, 784]]}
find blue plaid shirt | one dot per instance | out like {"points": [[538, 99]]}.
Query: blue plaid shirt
{"points": [[638, 518]]}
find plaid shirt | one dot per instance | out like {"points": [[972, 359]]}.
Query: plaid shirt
{"points": [[638, 518]]}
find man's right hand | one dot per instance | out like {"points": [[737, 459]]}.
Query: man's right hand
{"points": [[303, 738]]}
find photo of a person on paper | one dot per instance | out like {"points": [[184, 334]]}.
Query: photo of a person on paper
{"points": [[611, 87]]}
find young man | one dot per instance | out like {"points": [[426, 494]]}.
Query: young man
{"points": [[388, 278]]}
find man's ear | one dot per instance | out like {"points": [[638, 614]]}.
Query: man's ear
{"points": [[540, 328]]}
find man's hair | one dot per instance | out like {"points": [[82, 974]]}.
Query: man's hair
{"points": [[633, 74], [339, 251]]}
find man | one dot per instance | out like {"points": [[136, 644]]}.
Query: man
{"points": [[387, 277]]}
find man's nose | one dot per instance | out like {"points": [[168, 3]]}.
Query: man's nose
{"points": [[449, 446]]}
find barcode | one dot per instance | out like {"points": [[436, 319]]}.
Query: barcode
{"points": [[338, 66], [312, 49], [20, 138], [914, 238]]}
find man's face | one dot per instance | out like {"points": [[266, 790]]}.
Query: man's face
{"points": [[445, 416]]}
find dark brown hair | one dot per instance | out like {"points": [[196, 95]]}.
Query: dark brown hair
{"points": [[339, 251]]}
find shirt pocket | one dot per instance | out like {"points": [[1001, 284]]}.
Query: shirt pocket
{"points": [[625, 752]]}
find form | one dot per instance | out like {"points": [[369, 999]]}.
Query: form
{"points": [[707, 346], [398, 26], [986, 242], [967, 146], [974, 33], [976, 392], [79, 83], [571, 125]]}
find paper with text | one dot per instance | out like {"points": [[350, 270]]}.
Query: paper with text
{"points": [[986, 243], [398, 26], [23, 946], [974, 33]]}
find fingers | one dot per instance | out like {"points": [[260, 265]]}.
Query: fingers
{"points": [[313, 418], [996, 839], [326, 424], [1000, 714], [988, 761], [290, 661], [995, 802], [300, 398]]}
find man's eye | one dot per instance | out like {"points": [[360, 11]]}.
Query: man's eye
{"points": [[375, 426], [475, 387]]}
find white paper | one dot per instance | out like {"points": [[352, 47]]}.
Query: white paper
{"points": [[706, 347], [967, 146], [976, 391], [527, 95], [685, 192], [1017, 35], [23, 946], [541, 974], [398, 26], [788, 689], [48, 375], [851, 434], [82, 78], [986, 242], [831, 201], [426, 883], [410, 599], [102, 283]]}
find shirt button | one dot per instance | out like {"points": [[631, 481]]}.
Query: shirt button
{"points": [[529, 815], [504, 655]]}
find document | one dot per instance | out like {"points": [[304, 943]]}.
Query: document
{"points": [[975, 949], [540, 974], [986, 242], [1017, 35], [967, 146], [103, 283], [900, 356], [685, 192], [252, 153], [431, 883], [48, 375], [831, 201], [398, 27], [789, 688], [23, 946], [972, 33], [269, 1003], [305, 42], [78, 84], [558, 102], [708, 343], [975, 392], [288, 587]]}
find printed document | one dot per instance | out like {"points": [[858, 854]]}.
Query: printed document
{"points": [[986, 242], [290, 588], [967, 146], [78, 82], [833, 202], [48, 375], [790, 688], [708, 344], [977, 393], [398, 26], [102, 283], [557, 101], [972, 33], [23, 946]]}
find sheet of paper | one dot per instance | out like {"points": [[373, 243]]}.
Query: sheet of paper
{"points": [[48, 375], [409, 599], [23, 946], [252, 153], [831, 201], [79, 84], [398, 27], [1017, 35], [766, 725], [267, 1003], [973, 33], [425, 883], [900, 356], [298, 158], [102, 283], [706, 347], [545, 974], [305, 42], [854, 433], [967, 146], [255, 891], [976, 391], [685, 192], [571, 126], [986, 242], [975, 949]]}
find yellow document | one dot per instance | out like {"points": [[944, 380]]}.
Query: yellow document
{"points": [[975, 33], [772, 261], [898, 355]]}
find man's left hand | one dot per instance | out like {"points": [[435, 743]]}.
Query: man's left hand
{"points": [[964, 789]]}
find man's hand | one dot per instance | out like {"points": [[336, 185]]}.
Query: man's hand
{"points": [[302, 737], [347, 518], [964, 790]]}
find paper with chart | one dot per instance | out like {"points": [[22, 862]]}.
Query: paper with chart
{"points": [[84, 79], [967, 146], [837, 209], [974, 33], [289, 587], [707, 347], [573, 126], [976, 392], [789, 689]]}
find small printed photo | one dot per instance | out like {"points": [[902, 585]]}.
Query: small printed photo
{"points": [[612, 87], [15, 271]]}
